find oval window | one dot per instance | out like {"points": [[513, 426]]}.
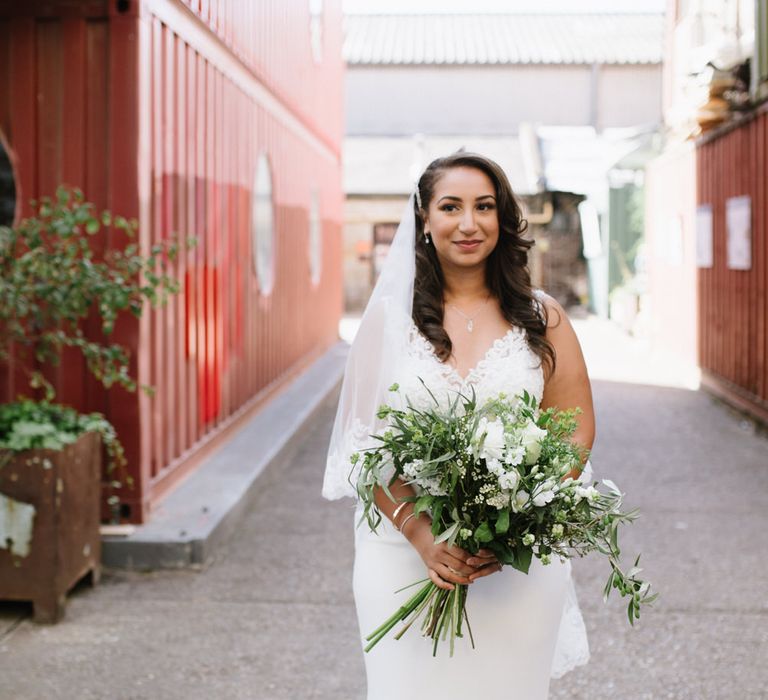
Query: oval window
{"points": [[262, 225], [315, 237], [7, 187]]}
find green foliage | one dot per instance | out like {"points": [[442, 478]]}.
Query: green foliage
{"points": [[27, 425], [52, 279]]}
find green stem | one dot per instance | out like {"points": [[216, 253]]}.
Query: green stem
{"points": [[402, 613], [417, 612]]}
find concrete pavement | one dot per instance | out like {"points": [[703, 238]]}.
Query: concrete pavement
{"points": [[271, 616]]}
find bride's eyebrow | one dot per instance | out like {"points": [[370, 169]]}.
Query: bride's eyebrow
{"points": [[459, 199]]}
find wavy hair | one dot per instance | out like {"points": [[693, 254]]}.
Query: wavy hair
{"points": [[506, 271]]}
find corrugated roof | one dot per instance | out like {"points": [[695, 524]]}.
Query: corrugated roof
{"points": [[503, 39]]}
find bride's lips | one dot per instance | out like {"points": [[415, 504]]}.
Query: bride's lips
{"points": [[468, 245]]}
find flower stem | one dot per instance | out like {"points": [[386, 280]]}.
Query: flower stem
{"points": [[402, 613]]}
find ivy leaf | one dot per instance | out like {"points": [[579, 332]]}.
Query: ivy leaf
{"points": [[502, 522], [483, 532]]}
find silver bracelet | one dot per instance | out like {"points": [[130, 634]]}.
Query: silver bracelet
{"points": [[397, 512], [400, 529]]}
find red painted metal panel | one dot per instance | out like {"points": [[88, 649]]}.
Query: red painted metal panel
{"points": [[734, 331], [156, 120]]}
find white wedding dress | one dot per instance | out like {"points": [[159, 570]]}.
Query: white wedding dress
{"points": [[527, 628]]}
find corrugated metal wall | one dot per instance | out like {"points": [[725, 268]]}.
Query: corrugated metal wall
{"points": [[161, 111], [258, 31], [733, 332]]}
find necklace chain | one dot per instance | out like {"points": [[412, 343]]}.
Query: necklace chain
{"points": [[470, 319]]}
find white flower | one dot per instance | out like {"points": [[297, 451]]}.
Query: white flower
{"points": [[557, 530], [531, 438], [514, 455], [528, 539], [508, 480], [498, 500], [543, 497], [590, 493], [409, 469], [521, 498], [495, 467], [491, 433]]}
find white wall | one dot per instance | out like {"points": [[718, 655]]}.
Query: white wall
{"points": [[629, 96], [495, 99]]}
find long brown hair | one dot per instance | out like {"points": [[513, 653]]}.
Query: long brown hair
{"points": [[506, 270]]}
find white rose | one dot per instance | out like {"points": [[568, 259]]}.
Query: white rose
{"points": [[530, 438], [543, 497], [492, 440], [508, 480]]}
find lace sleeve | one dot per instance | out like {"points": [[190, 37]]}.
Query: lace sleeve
{"points": [[340, 474]]}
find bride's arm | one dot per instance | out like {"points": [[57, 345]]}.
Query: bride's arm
{"points": [[446, 565], [568, 387]]}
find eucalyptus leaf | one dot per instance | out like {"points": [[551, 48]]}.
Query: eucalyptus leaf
{"points": [[447, 533]]}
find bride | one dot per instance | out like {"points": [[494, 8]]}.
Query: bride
{"points": [[454, 307]]}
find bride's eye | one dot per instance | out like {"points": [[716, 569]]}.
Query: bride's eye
{"points": [[447, 207], [486, 206]]}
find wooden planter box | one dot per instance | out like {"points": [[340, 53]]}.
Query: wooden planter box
{"points": [[49, 524]]}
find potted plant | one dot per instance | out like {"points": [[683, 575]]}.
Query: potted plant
{"points": [[51, 281]]}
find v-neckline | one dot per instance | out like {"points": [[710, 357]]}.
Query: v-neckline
{"points": [[497, 343]]}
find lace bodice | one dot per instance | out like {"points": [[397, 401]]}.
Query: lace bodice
{"points": [[508, 366]]}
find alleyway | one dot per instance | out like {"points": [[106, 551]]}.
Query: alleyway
{"points": [[272, 618]]}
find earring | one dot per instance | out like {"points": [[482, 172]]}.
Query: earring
{"points": [[426, 237]]}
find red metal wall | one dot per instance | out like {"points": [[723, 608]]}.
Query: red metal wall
{"points": [[256, 31], [733, 332], [160, 112]]}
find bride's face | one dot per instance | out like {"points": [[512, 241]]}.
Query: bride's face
{"points": [[463, 220]]}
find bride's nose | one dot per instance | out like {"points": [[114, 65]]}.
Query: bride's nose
{"points": [[467, 223]]}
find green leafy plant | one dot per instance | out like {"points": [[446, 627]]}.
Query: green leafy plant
{"points": [[52, 278]]}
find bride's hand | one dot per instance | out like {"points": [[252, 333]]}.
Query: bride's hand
{"points": [[448, 565], [485, 563]]}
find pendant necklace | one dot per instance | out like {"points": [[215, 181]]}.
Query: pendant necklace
{"points": [[470, 319]]}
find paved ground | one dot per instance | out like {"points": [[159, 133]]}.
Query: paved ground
{"points": [[272, 616]]}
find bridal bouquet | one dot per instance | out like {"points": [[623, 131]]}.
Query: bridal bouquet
{"points": [[492, 477]]}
